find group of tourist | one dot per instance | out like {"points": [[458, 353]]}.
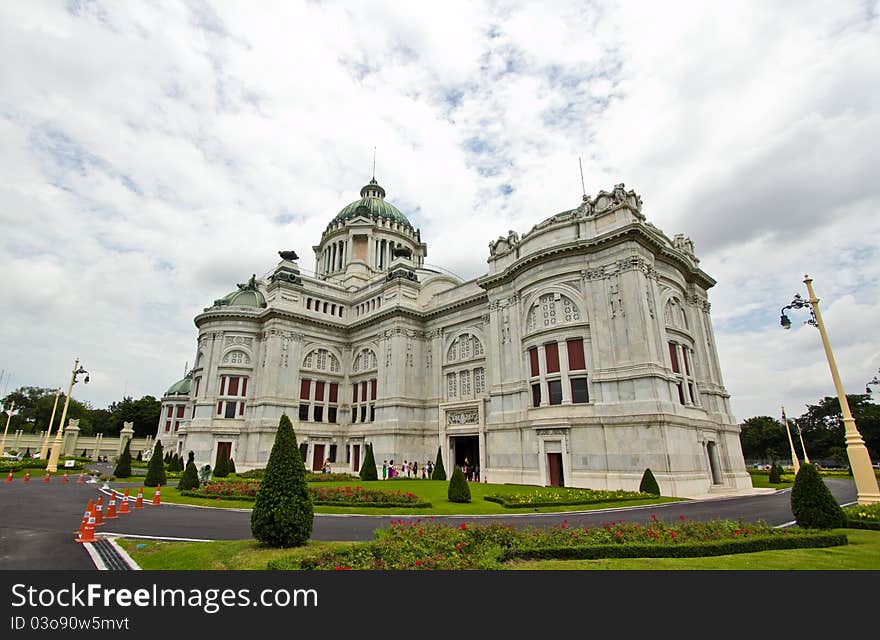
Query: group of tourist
{"points": [[409, 469]]}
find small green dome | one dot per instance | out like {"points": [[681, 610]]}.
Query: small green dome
{"points": [[247, 295], [181, 387], [372, 203]]}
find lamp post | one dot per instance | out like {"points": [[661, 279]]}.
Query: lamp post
{"points": [[859, 460], [873, 380], [794, 459], [45, 448], [6, 428], [52, 466]]}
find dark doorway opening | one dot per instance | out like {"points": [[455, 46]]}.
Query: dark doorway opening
{"points": [[466, 454], [554, 469], [224, 449], [356, 453], [318, 458]]}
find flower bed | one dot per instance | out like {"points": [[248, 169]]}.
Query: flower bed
{"points": [[423, 544], [346, 496], [865, 516], [560, 497], [257, 474]]}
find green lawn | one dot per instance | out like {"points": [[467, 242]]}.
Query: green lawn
{"points": [[862, 552], [433, 491], [762, 481]]}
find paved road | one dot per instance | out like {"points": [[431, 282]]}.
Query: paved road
{"points": [[37, 520]]}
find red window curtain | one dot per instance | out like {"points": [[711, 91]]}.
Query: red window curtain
{"points": [[168, 411], [354, 392], [319, 391], [233, 386], [304, 389], [334, 392], [244, 386], [373, 389], [222, 385], [533, 361], [576, 354], [241, 408], [180, 409], [551, 350], [673, 357], [364, 390]]}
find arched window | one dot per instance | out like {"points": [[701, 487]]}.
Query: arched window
{"points": [[464, 347], [673, 314], [365, 360], [550, 310], [236, 357], [321, 360]]}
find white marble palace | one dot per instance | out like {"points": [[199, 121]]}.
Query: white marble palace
{"points": [[582, 357]]}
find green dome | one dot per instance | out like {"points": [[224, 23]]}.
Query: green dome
{"points": [[247, 295], [372, 203], [181, 387]]}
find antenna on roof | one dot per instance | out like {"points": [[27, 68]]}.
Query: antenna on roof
{"points": [[185, 368], [374, 163], [583, 186]]}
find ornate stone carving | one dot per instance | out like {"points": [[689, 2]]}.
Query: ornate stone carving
{"points": [[615, 299], [463, 417], [239, 340]]}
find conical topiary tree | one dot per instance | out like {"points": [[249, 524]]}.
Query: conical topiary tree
{"points": [[167, 457], [231, 466], [283, 512], [140, 457], [649, 483], [156, 468], [85, 456], [174, 463], [812, 504], [775, 476], [189, 479], [123, 465], [439, 473], [368, 467], [458, 487], [221, 470]]}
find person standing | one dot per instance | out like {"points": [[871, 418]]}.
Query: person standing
{"points": [[384, 469], [415, 468]]}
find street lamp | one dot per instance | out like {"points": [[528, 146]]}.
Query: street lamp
{"points": [[9, 411], [45, 448], [859, 460], [52, 466]]}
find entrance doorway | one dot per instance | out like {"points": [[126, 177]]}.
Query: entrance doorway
{"points": [[356, 457], [318, 458], [224, 449], [466, 453], [554, 469]]}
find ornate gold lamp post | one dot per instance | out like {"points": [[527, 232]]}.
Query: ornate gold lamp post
{"points": [[45, 448], [859, 461], [9, 411], [52, 466]]}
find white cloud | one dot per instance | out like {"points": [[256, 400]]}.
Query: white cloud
{"points": [[156, 154]]}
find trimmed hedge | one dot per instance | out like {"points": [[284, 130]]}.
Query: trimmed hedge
{"points": [[649, 483], [368, 467], [813, 505], [690, 550], [189, 479], [853, 523], [156, 470], [123, 465], [458, 487], [439, 473], [323, 503], [507, 502]]}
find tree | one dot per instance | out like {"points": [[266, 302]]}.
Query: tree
{"points": [[221, 470], [649, 483], [812, 504], [823, 431], [439, 473], [189, 479], [231, 467], [143, 414], [458, 487], [123, 465], [775, 476], [283, 513], [763, 438], [155, 468], [140, 457], [368, 468]]}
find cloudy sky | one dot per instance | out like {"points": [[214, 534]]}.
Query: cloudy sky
{"points": [[156, 153]]}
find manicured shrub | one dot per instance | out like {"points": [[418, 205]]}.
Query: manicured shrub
{"points": [[123, 465], [812, 504], [231, 466], [167, 457], [368, 468], [283, 513], [140, 457], [221, 467], [649, 483], [189, 479], [85, 456], [775, 473], [439, 472], [156, 468], [458, 487]]}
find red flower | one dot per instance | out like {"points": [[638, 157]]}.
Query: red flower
{"points": [[463, 526], [418, 563], [653, 517], [562, 526], [681, 517]]}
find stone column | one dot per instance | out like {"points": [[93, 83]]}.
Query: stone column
{"points": [[71, 435], [125, 435], [542, 376], [562, 348]]}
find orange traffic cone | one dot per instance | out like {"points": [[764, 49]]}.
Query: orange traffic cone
{"points": [[64, 479], [90, 507], [139, 503], [99, 511], [156, 501], [9, 477], [111, 508], [27, 476], [88, 534], [123, 503], [46, 477], [81, 479]]}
